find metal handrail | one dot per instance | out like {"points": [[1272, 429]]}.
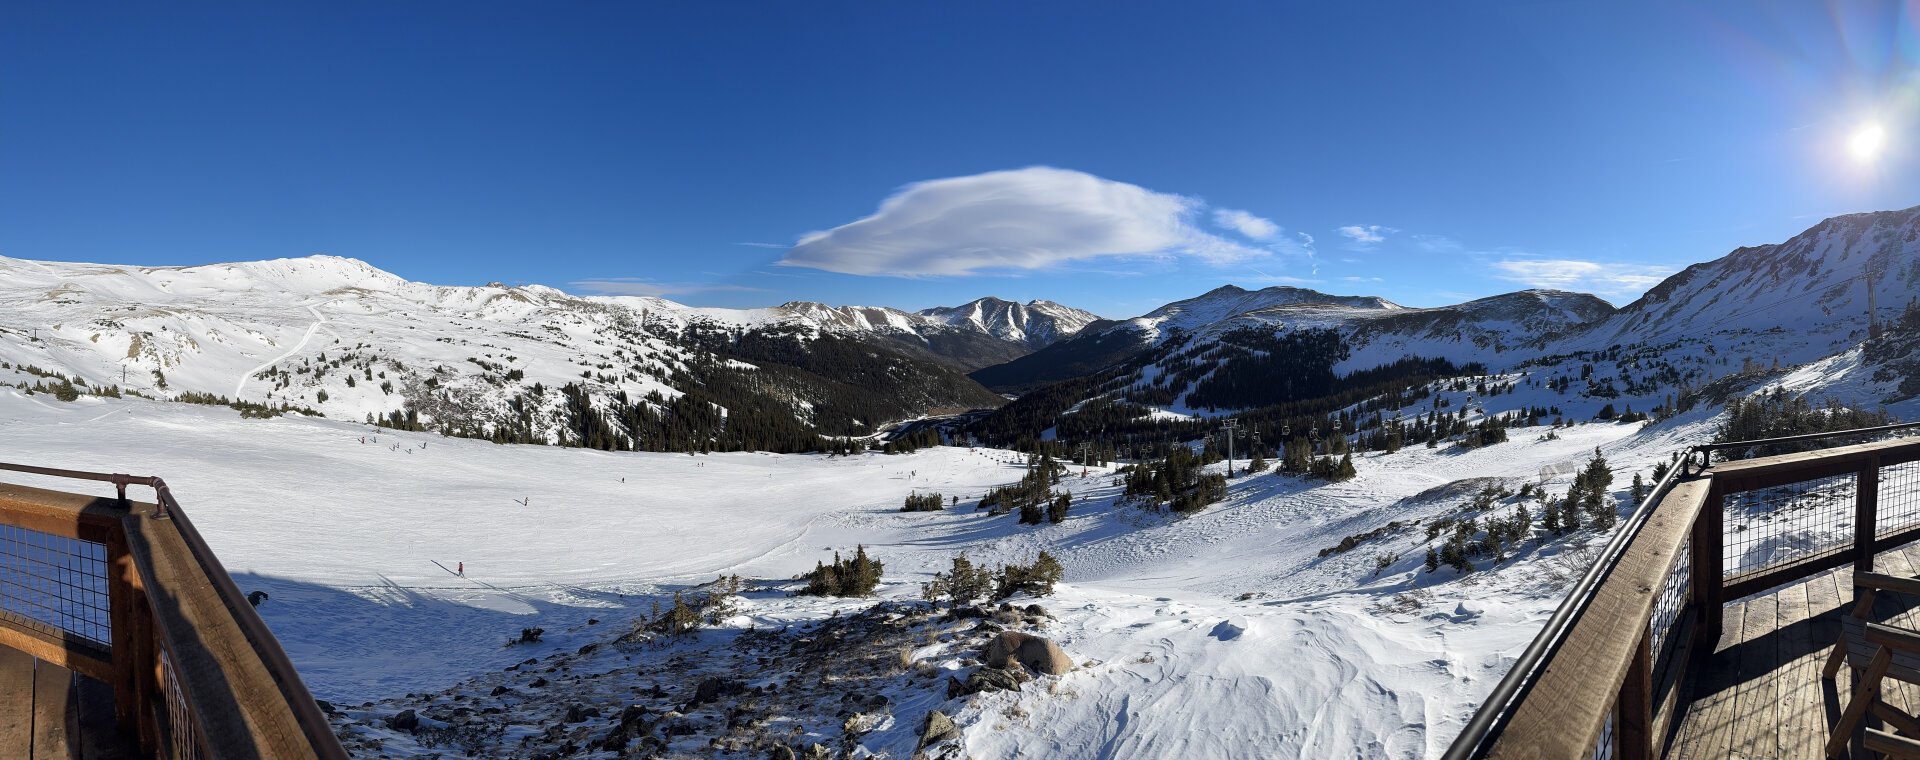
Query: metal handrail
{"points": [[306, 711], [1709, 448]]}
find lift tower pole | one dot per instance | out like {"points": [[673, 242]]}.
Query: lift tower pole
{"points": [[1230, 422]]}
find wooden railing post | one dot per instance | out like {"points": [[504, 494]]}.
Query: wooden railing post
{"points": [[1633, 737], [122, 580], [1866, 514], [1709, 573]]}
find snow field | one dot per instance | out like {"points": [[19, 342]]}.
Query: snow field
{"points": [[1224, 634]]}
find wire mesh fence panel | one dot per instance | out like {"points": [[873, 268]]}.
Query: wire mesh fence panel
{"points": [[1770, 527], [1899, 504], [183, 731], [1603, 748], [55, 584], [1667, 608]]}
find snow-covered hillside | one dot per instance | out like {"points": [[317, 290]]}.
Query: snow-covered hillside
{"points": [[1228, 634], [346, 340], [1816, 284]]}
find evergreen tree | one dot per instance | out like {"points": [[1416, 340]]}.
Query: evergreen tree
{"points": [[1057, 510], [858, 576]]}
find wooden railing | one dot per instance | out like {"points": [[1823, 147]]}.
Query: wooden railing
{"points": [[1604, 678], [128, 593]]}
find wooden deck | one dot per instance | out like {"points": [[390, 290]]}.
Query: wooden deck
{"points": [[49, 713], [1761, 694]]}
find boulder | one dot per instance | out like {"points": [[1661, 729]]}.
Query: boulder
{"points": [[938, 727], [711, 689], [1035, 652], [406, 720]]}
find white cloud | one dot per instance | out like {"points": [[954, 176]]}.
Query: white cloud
{"points": [[635, 286], [1245, 223], [1032, 218], [1366, 234], [1603, 278]]}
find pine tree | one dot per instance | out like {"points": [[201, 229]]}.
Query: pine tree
{"points": [[1433, 560]]}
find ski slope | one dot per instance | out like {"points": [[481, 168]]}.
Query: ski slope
{"points": [[1220, 635]]}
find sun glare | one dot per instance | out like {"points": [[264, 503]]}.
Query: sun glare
{"points": [[1867, 142]]}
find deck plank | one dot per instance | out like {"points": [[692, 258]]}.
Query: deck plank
{"points": [[1707, 731], [16, 713], [53, 712], [1797, 690], [1827, 599], [1756, 703]]}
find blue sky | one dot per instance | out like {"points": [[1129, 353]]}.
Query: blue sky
{"points": [[1112, 156]]}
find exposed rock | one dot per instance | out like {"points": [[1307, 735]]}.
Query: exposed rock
{"points": [[711, 689], [938, 726], [1035, 652], [577, 713], [782, 752], [325, 706], [633, 722], [989, 679], [406, 720]]}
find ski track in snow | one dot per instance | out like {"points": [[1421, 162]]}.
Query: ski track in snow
{"points": [[311, 329]]}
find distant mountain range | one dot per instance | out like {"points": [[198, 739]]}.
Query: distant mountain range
{"points": [[276, 331]]}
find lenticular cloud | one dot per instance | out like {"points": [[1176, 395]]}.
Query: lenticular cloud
{"points": [[1017, 219]]}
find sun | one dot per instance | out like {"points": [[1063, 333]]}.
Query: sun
{"points": [[1867, 142]]}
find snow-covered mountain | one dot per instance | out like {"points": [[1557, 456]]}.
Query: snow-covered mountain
{"points": [[979, 334], [1036, 323], [1376, 330], [345, 339], [1815, 283]]}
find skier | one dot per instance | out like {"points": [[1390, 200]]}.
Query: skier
{"points": [[463, 569]]}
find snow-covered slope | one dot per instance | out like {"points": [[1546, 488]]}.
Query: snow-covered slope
{"points": [[1228, 634], [1377, 331], [1813, 286], [348, 340]]}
